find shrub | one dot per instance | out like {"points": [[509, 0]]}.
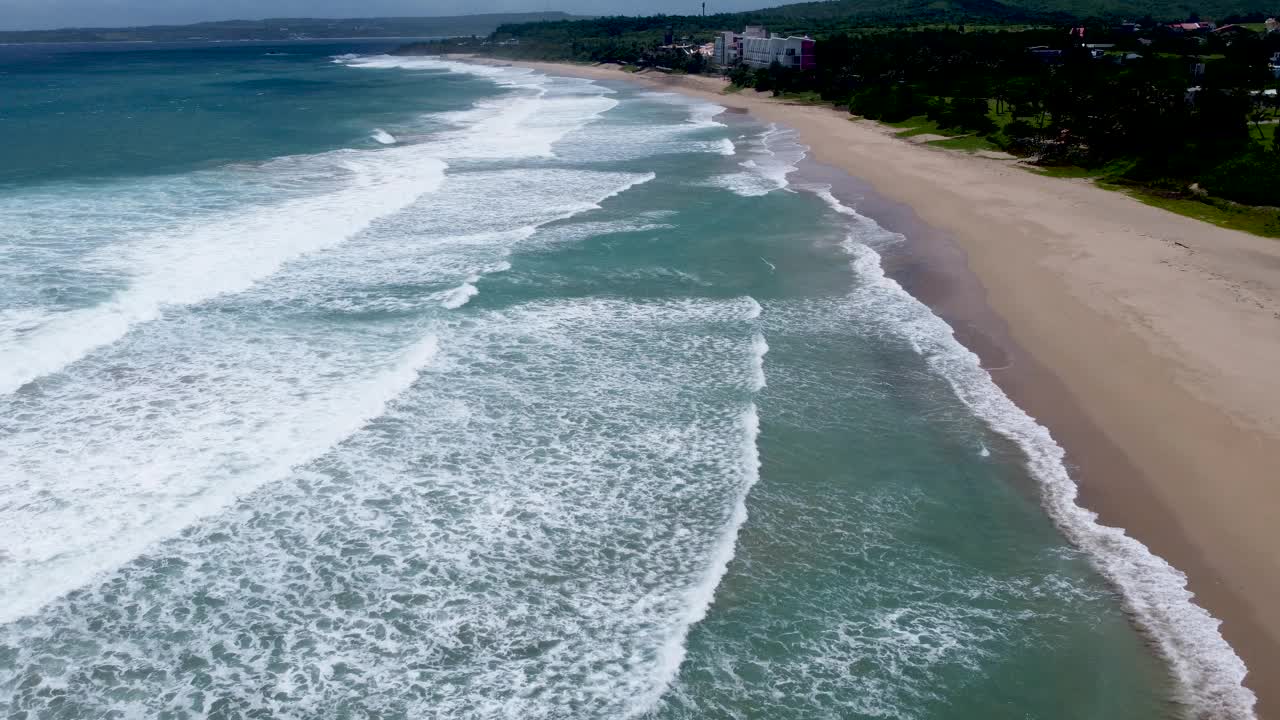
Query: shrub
{"points": [[888, 103], [1249, 178]]}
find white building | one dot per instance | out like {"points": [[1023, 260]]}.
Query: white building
{"points": [[726, 48], [728, 44], [792, 52]]}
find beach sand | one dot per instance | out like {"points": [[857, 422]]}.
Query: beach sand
{"points": [[1148, 343]]}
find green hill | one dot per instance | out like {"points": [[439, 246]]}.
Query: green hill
{"points": [[288, 29], [1019, 10]]}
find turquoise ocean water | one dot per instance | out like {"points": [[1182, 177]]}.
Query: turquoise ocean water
{"points": [[335, 385]]}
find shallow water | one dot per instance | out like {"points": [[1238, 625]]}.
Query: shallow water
{"points": [[478, 393]]}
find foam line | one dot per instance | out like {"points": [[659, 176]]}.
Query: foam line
{"points": [[204, 261], [57, 556], [460, 295], [758, 349], [699, 597], [773, 156], [1210, 674], [539, 112]]}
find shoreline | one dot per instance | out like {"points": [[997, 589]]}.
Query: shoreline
{"points": [[1147, 342]]}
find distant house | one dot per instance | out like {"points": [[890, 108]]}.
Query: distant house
{"points": [[1192, 27], [1045, 53], [1098, 50]]}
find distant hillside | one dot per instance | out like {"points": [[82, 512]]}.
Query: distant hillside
{"points": [[289, 29], [639, 39], [1158, 9], [881, 11], [1018, 9], [820, 18], [619, 36]]}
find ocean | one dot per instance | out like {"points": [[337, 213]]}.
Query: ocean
{"points": [[341, 385]]}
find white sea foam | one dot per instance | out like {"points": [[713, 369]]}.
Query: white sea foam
{"points": [[456, 237], [1209, 672], [702, 114], [772, 156], [698, 598], [92, 481], [165, 470], [384, 137], [215, 256], [15, 323], [176, 471], [195, 263], [758, 349], [460, 295], [540, 111], [215, 435], [533, 525]]}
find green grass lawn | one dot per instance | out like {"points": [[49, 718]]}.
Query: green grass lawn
{"points": [[968, 143], [1002, 117], [1257, 220], [1268, 131], [805, 98], [918, 125], [1065, 171]]}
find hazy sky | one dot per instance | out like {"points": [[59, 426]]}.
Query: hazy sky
{"points": [[39, 14]]}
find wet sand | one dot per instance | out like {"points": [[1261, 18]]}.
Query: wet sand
{"points": [[1148, 343]]}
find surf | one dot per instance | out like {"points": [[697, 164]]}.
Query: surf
{"points": [[188, 265], [1209, 673]]}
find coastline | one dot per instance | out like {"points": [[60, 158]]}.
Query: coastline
{"points": [[1147, 342]]}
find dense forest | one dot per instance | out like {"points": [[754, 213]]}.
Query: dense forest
{"points": [[1186, 114], [1166, 115], [823, 19]]}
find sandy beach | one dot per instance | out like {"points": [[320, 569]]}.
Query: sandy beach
{"points": [[1146, 341]]}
